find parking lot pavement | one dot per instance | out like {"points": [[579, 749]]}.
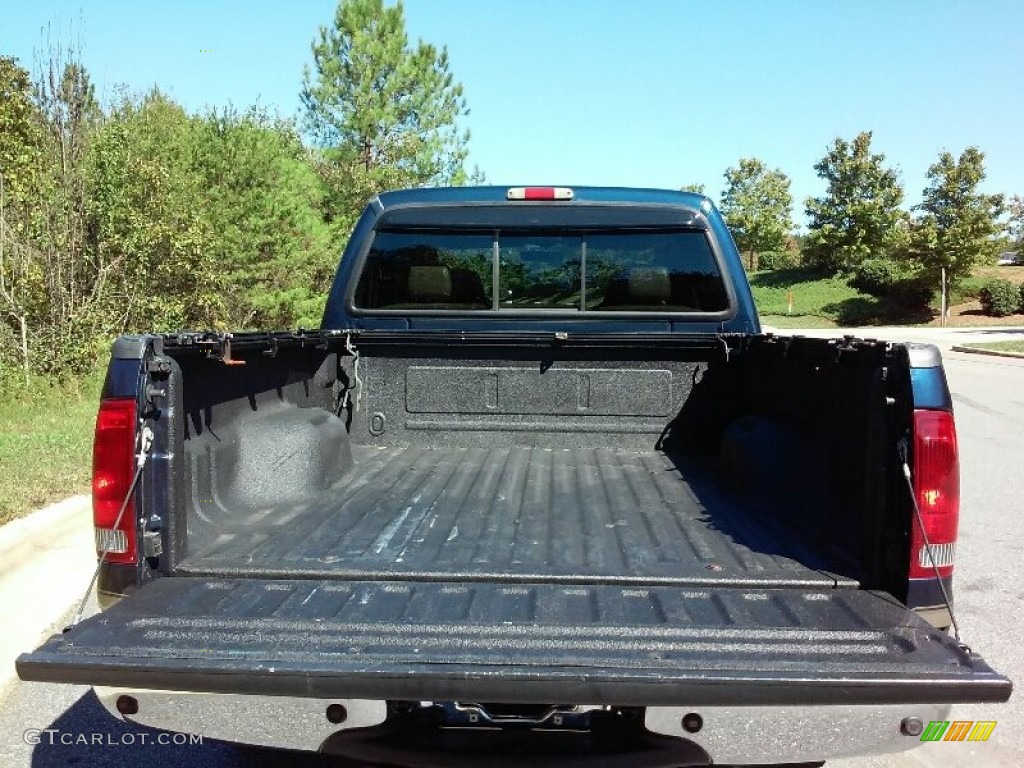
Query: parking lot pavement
{"points": [[945, 338]]}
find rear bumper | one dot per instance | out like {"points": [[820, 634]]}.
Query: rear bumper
{"points": [[728, 734], [927, 597], [938, 616]]}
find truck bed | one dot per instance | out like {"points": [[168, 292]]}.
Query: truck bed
{"points": [[526, 546], [520, 514]]}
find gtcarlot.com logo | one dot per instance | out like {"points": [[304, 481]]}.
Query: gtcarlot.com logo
{"points": [[56, 737]]}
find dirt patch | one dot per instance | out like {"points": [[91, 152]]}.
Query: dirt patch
{"points": [[971, 313], [1013, 274]]}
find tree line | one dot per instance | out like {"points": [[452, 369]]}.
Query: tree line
{"points": [[860, 228], [139, 215]]}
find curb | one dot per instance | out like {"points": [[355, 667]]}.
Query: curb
{"points": [[19, 537], [47, 560], [990, 352]]}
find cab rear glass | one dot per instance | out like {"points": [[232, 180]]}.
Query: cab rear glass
{"points": [[665, 270]]}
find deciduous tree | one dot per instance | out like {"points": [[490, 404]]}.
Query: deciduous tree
{"points": [[20, 155], [154, 236], [1015, 225], [71, 116], [46, 275], [859, 216], [758, 207], [958, 223], [20, 139]]}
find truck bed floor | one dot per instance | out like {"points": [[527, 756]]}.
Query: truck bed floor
{"points": [[520, 514]]}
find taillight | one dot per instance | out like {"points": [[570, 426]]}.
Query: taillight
{"points": [[113, 469], [937, 488]]}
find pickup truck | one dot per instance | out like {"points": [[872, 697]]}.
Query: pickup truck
{"points": [[538, 490]]}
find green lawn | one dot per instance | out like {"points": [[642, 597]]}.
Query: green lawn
{"points": [[820, 301], [1000, 346], [45, 444], [796, 321], [812, 294]]}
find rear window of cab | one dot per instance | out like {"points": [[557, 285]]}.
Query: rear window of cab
{"points": [[671, 270]]}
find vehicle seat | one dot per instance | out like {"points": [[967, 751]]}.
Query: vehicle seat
{"points": [[432, 284], [649, 286], [468, 289]]}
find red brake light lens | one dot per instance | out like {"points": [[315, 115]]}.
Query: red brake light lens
{"points": [[937, 488], [113, 468], [540, 193]]}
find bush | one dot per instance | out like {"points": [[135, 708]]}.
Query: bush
{"points": [[876, 276], [1000, 298], [913, 291], [888, 278], [776, 260]]}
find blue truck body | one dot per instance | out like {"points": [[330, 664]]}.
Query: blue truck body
{"points": [[697, 209]]}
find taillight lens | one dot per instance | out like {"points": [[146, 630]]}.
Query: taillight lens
{"points": [[539, 193], [937, 488], [113, 467]]}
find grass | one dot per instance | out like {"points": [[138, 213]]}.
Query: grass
{"points": [[796, 321], [820, 301], [811, 292], [1014, 274], [999, 346], [45, 443]]}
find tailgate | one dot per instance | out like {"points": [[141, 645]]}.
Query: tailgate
{"points": [[593, 644]]}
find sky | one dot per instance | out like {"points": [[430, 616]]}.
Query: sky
{"points": [[648, 93]]}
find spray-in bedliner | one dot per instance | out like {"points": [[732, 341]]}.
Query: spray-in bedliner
{"points": [[521, 514]]}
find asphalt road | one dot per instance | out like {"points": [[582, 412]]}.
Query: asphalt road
{"points": [[989, 399]]}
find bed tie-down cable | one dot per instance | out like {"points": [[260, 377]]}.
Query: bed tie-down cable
{"points": [[351, 349]]}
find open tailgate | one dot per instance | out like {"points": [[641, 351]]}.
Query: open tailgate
{"points": [[623, 645]]}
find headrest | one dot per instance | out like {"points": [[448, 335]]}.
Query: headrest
{"points": [[433, 283], [649, 284]]}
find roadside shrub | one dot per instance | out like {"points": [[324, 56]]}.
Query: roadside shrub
{"points": [[913, 291], [1020, 306], [1000, 298], [893, 280], [876, 276], [776, 260]]}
